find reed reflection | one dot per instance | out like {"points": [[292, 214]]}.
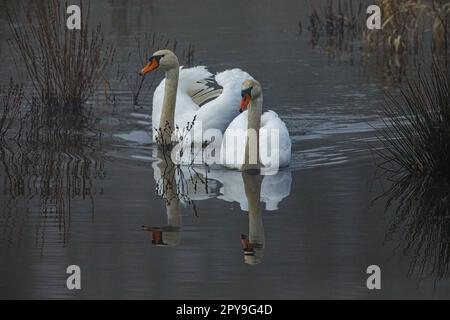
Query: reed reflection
{"points": [[53, 164], [421, 222]]}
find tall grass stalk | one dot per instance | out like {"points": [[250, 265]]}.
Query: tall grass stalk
{"points": [[64, 65], [405, 23]]}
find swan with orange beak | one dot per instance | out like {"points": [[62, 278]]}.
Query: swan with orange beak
{"points": [[255, 140]]}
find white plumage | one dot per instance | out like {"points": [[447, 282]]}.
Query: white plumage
{"points": [[185, 100], [193, 90]]}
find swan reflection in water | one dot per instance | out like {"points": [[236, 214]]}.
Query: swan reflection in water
{"points": [[184, 186], [169, 235], [250, 190], [253, 244], [178, 186]]}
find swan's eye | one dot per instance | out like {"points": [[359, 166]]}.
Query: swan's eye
{"points": [[157, 58], [247, 91]]}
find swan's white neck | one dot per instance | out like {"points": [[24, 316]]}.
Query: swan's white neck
{"points": [[252, 161], [167, 120]]}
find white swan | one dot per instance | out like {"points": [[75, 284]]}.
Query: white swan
{"points": [[185, 94], [270, 149]]}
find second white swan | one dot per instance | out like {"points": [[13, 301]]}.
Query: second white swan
{"points": [[270, 147]]}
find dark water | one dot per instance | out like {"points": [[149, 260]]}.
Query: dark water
{"points": [[84, 200]]}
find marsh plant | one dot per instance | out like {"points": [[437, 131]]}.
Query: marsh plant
{"points": [[339, 22], [416, 135], [412, 30], [10, 102], [56, 158], [166, 137], [64, 66], [409, 29], [407, 23]]}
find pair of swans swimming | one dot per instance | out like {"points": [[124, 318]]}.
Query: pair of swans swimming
{"points": [[183, 99]]}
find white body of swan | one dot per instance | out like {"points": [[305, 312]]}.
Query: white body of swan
{"points": [[274, 141], [184, 94]]}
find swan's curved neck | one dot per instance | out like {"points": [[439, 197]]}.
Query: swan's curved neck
{"points": [[252, 161], [167, 120]]}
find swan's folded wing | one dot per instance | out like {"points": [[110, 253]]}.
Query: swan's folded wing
{"points": [[193, 90], [219, 112], [203, 96], [197, 83], [193, 82]]}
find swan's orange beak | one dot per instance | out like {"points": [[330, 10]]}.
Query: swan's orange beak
{"points": [[244, 102], [152, 65]]}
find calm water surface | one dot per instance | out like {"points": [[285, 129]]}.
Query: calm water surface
{"points": [[84, 202]]}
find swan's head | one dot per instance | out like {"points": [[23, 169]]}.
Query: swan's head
{"points": [[250, 90], [163, 59]]}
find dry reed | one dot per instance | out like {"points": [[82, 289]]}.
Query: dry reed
{"points": [[64, 66]]}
